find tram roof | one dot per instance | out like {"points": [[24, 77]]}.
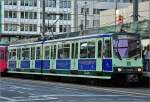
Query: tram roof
{"points": [[64, 39], [17, 45], [80, 37], [68, 39]]}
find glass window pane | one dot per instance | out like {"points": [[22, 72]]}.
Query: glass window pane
{"points": [[2, 55], [38, 52], [25, 54], [60, 51], [12, 54], [19, 54], [83, 50], [66, 50], [91, 49], [107, 49], [47, 52], [53, 52]]}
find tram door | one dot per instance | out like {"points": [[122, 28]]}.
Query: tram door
{"points": [[107, 55]]}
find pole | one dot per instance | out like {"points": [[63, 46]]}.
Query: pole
{"points": [[85, 10], [135, 10], [116, 7], [43, 33]]}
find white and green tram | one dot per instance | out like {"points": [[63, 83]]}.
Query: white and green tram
{"points": [[91, 56]]}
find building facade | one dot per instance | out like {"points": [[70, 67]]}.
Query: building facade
{"points": [[24, 17], [126, 15]]}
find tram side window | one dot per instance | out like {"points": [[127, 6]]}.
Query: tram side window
{"points": [[87, 49], [12, 54], [2, 54], [25, 54], [63, 51], [83, 50], [99, 49], [76, 50], [32, 53], [66, 50], [60, 51], [38, 53], [47, 52], [91, 49], [19, 54], [107, 49], [53, 51]]}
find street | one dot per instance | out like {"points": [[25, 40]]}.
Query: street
{"points": [[22, 90]]}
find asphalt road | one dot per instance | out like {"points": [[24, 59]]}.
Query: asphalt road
{"points": [[21, 90]]}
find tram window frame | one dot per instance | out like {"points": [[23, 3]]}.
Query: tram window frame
{"points": [[109, 48], [2, 55], [63, 51], [25, 55], [99, 50], [67, 50], [53, 52], [11, 54], [32, 53], [38, 54], [86, 52], [46, 52], [18, 53]]}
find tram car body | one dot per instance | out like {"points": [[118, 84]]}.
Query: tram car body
{"points": [[100, 56], [3, 59]]}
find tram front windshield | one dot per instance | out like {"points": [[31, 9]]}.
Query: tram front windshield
{"points": [[126, 48]]}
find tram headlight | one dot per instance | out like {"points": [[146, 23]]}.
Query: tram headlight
{"points": [[139, 70], [119, 69]]}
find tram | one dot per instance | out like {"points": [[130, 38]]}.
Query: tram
{"points": [[3, 59], [93, 56]]}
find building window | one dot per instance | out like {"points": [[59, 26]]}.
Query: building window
{"points": [[50, 3], [64, 3], [64, 28], [65, 17], [10, 27], [29, 15], [28, 2], [96, 23], [10, 14], [49, 17], [28, 27], [50, 28], [10, 2], [84, 9]]}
